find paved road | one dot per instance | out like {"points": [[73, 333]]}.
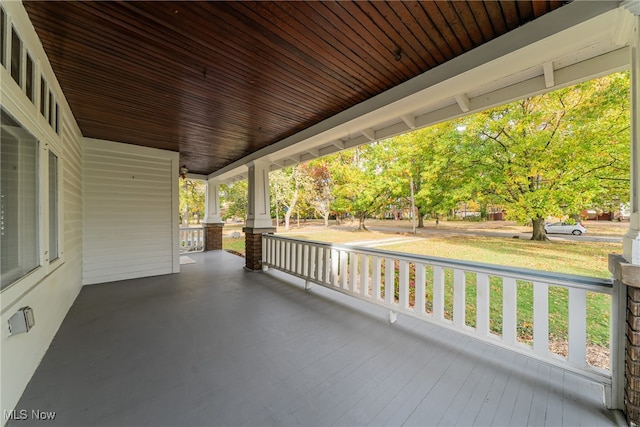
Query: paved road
{"points": [[493, 233]]}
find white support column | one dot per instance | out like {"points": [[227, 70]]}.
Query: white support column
{"points": [[212, 203], [258, 212], [631, 242]]}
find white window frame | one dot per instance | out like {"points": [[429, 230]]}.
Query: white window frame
{"points": [[24, 134], [59, 224]]}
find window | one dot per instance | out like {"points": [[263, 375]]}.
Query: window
{"points": [[43, 97], [18, 201], [57, 126], [16, 57], [28, 84], [51, 106], [3, 38], [53, 207]]}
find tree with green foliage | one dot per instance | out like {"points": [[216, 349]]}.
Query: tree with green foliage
{"points": [[363, 182], [423, 158], [550, 154], [287, 185], [233, 200], [192, 194], [320, 195]]}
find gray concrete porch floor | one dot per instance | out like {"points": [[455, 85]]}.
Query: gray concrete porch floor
{"points": [[217, 345]]}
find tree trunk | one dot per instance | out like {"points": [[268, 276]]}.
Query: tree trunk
{"points": [[292, 206], [361, 219], [420, 219], [326, 219], [287, 217], [538, 230]]}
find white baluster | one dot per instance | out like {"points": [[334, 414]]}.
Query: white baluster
{"points": [[541, 318], [438, 292], [403, 281], [375, 271], [353, 272], [509, 310], [305, 260], [287, 255], [482, 302], [459, 298], [577, 326], [276, 259], [300, 259], [319, 263], [364, 275], [420, 289], [389, 286], [312, 262], [344, 257], [327, 266], [335, 265], [283, 255]]}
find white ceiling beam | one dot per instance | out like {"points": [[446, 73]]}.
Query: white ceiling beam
{"points": [[196, 177], [369, 133], [549, 80], [306, 157], [338, 144], [463, 102], [409, 120], [623, 29], [325, 151]]}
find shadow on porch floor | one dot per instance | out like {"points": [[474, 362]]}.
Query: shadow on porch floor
{"points": [[216, 345]]}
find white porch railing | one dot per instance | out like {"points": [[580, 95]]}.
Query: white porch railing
{"points": [[442, 291], [191, 239]]}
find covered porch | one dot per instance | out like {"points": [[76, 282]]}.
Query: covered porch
{"points": [[217, 345], [128, 96]]}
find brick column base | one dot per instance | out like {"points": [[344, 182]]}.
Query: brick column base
{"points": [[632, 358], [213, 236], [629, 276], [253, 246]]}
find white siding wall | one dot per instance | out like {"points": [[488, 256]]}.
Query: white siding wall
{"points": [[51, 288], [130, 211]]}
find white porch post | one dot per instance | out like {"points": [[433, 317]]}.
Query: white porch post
{"points": [[212, 223], [631, 242], [212, 202], [625, 366], [258, 213]]}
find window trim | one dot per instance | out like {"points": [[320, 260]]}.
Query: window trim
{"points": [[30, 83], [3, 37], [46, 142], [43, 97], [24, 134], [58, 217], [15, 35]]}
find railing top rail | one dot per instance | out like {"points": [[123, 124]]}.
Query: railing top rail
{"points": [[595, 284]]}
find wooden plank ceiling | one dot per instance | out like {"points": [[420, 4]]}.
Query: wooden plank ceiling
{"points": [[217, 81]]}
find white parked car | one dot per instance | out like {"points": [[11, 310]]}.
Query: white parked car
{"points": [[562, 228]]}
